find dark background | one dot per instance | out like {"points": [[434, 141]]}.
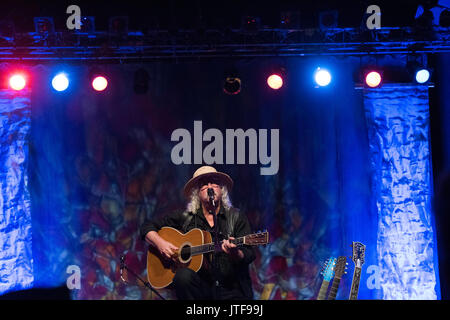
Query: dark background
{"points": [[205, 14]]}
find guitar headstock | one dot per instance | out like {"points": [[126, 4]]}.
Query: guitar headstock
{"points": [[359, 251], [328, 269], [259, 238], [341, 266]]}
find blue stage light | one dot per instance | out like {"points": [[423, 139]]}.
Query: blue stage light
{"points": [[60, 82], [322, 77], [422, 75]]}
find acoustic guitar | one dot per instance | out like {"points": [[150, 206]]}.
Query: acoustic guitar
{"points": [[191, 247]]}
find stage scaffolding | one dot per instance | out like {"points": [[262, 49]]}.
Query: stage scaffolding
{"points": [[226, 43]]}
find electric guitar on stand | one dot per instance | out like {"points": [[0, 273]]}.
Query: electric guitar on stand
{"points": [[359, 250], [327, 272], [339, 270]]}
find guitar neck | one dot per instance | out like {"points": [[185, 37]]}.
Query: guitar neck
{"points": [[323, 290], [210, 247], [355, 284], [238, 241], [334, 288]]}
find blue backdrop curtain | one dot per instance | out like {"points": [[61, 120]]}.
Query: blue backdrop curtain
{"points": [[440, 141], [16, 260], [399, 126], [100, 164]]}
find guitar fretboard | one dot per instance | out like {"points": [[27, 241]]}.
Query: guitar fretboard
{"points": [[208, 247], [196, 250], [355, 284], [323, 290], [334, 288]]}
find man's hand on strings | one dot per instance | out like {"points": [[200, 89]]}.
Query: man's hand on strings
{"points": [[168, 250], [230, 248]]}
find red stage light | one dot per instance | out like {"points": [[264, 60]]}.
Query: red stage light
{"points": [[275, 81], [373, 79], [17, 82], [99, 83]]}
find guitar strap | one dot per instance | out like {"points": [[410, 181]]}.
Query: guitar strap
{"points": [[187, 219]]}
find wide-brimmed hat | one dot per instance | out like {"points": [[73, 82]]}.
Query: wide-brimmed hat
{"points": [[207, 172]]}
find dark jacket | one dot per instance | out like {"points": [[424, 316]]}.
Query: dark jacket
{"points": [[231, 223]]}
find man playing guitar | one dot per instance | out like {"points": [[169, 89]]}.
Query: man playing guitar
{"points": [[225, 273]]}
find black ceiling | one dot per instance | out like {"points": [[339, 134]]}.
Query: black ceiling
{"points": [[170, 14]]}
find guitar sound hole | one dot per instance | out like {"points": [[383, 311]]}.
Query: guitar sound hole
{"points": [[185, 253]]}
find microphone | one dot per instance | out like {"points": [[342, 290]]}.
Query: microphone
{"points": [[211, 196]]}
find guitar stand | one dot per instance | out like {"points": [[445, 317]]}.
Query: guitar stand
{"points": [[146, 283]]}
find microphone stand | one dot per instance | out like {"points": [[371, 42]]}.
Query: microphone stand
{"points": [[146, 283], [216, 240]]}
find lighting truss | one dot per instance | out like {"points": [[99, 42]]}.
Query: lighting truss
{"points": [[165, 44]]}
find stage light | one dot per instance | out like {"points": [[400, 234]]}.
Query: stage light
{"points": [[322, 77], [422, 75], [417, 68], [290, 20], [232, 85], [17, 82], [373, 79], [87, 24], [433, 13], [250, 23], [275, 81], [328, 19], [99, 83], [444, 18], [118, 25], [7, 30], [44, 25], [141, 79], [60, 82]]}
